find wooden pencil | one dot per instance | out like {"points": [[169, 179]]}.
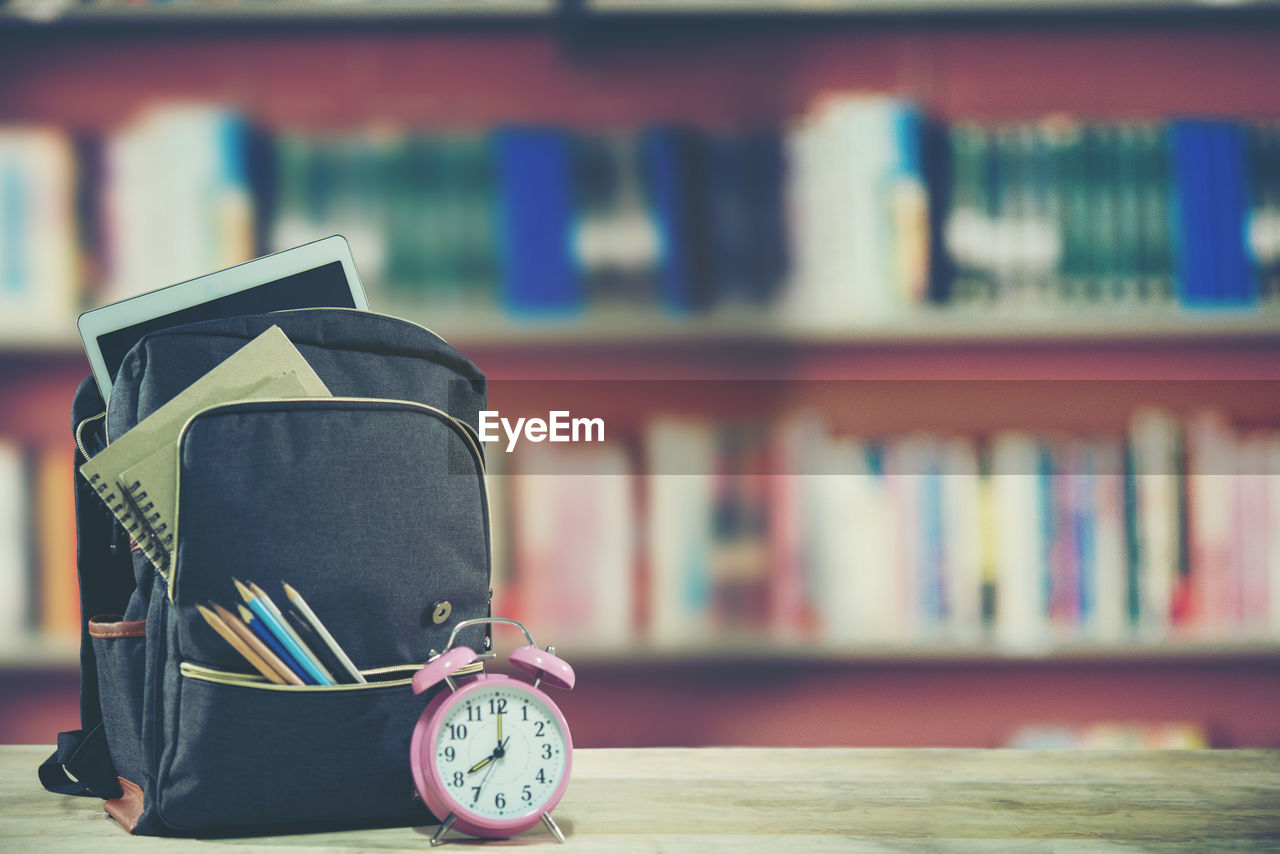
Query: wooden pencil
{"points": [[262, 606], [240, 646], [264, 634], [255, 643]]}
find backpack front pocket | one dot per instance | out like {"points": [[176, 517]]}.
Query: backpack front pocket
{"points": [[376, 512], [248, 755]]}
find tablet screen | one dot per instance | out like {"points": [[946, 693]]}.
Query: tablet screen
{"points": [[321, 287]]}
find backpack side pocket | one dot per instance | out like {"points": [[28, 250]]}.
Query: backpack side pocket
{"points": [[120, 647]]}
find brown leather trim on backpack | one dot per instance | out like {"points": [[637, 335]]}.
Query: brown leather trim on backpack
{"points": [[111, 626], [127, 808]]}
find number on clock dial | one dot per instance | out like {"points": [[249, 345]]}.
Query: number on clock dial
{"points": [[507, 775]]}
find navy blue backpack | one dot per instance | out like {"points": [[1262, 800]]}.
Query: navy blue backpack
{"points": [[373, 502]]}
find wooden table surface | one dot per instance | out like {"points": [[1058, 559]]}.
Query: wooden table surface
{"points": [[796, 801]]}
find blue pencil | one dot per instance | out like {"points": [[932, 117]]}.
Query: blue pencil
{"points": [[284, 634], [275, 646]]}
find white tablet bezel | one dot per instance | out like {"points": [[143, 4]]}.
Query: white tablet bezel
{"points": [[193, 292]]}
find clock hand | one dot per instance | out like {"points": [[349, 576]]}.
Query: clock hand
{"points": [[483, 780], [498, 752]]}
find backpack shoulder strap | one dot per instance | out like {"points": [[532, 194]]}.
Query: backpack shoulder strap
{"points": [[82, 765]]}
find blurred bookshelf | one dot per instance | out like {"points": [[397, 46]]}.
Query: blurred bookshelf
{"points": [[681, 246], [294, 11], [63, 654], [40, 654], [604, 330], [623, 329], [755, 654], [53, 339], [910, 7], [251, 12]]}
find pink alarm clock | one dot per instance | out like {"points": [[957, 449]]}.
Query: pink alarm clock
{"points": [[491, 756]]}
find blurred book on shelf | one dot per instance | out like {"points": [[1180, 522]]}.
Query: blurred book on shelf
{"points": [[710, 573], [861, 213], [538, 221], [574, 546], [712, 535], [39, 598], [55, 544], [418, 210], [1067, 212], [1111, 735], [88, 219], [760, 534], [1082, 538], [17, 567], [40, 276], [176, 198]]}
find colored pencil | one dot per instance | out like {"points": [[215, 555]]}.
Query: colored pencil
{"points": [[240, 646], [293, 633], [288, 637], [251, 640], [264, 634], [295, 598]]}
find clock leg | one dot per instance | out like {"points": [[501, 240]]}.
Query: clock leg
{"points": [[438, 838], [551, 826]]}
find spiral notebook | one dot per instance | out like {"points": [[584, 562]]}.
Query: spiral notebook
{"points": [[137, 474]]}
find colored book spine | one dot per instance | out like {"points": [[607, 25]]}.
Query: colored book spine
{"points": [[1237, 285], [669, 159], [1128, 209], [1155, 263], [535, 216], [56, 542], [1192, 212], [15, 541]]}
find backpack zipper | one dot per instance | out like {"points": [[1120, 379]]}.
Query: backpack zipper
{"points": [[428, 330], [79, 427], [191, 670], [116, 528]]}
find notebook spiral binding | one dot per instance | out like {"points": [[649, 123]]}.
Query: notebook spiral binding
{"points": [[120, 509], [148, 536]]}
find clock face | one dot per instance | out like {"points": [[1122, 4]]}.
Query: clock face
{"points": [[501, 751]]}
